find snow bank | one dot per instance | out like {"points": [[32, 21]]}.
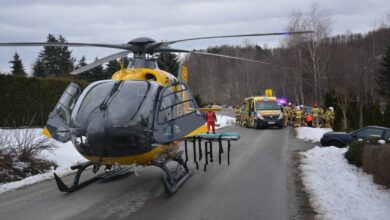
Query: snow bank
{"points": [[64, 155], [224, 121], [311, 134], [339, 190]]}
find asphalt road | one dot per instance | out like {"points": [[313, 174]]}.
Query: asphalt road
{"points": [[257, 185]]}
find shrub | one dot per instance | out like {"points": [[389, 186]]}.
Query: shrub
{"points": [[354, 154], [376, 162], [19, 150]]}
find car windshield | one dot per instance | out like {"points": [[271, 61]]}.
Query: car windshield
{"points": [[267, 105]]}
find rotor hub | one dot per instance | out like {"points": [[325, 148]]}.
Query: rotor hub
{"points": [[142, 41]]}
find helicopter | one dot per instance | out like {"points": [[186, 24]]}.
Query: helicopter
{"points": [[137, 117]]}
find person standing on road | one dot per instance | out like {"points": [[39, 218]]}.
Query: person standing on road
{"points": [[309, 120], [329, 117], [316, 119], [298, 116], [321, 116], [291, 114], [211, 118], [238, 114], [286, 113]]}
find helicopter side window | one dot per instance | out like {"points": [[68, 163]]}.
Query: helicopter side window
{"points": [[66, 103], [60, 118], [175, 104], [177, 114]]}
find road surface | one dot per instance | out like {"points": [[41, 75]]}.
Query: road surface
{"points": [[257, 185]]}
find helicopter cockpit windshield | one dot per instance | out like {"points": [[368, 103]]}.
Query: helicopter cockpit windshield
{"points": [[120, 103]]}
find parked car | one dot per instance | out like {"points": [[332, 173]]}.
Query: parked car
{"points": [[341, 139]]}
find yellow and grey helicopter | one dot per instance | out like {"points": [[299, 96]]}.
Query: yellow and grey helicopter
{"points": [[135, 118]]}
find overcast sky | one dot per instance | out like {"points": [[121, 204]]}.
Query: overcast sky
{"points": [[119, 21]]}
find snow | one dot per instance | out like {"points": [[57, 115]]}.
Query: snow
{"points": [[311, 134], [65, 156], [339, 190], [382, 142], [224, 121]]}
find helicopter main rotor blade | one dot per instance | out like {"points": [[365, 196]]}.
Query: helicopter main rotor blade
{"points": [[239, 35], [59, 44], [172, 50], [230, 57], [100, 62]]}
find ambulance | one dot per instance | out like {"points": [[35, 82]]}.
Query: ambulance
{"points": [[263, 112]]}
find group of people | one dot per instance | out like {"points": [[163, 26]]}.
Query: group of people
{"points": [[300, 115]]}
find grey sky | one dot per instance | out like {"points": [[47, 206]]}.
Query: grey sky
{"points": [[118, 21]]}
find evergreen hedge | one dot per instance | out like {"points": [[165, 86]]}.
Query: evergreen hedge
{"points": [[27, 101], [354, 154]]}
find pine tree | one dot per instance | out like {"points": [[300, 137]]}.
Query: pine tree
{"points": [[57, 61], [330, 99], [97, 73], [372, 114], [84, 75], [168, 62], [386, 115], [91, 75], [82, 62], [17, 66], [384, 75], [112, 67], [38, 68]]}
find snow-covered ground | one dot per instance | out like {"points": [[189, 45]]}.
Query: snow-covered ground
{"points": [[337, 189], [311, 134], [65, 155], [224, 121]]}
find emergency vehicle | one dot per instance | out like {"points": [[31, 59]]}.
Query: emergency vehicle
{"points": [[262, 112]]}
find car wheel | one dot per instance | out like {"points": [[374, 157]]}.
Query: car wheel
{"points": [[335, 143], [257, 126]]}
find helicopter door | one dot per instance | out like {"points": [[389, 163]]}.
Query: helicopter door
{"points": [[59, 119], [177, 114]]}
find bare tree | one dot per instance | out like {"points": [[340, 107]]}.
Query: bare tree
{"points": [[312, 47]]}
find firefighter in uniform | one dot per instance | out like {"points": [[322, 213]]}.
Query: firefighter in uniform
{"points": [[286, 114], [316, 120], [291, 114], [237, 113], [329, 117], [321, 116], [298, 116]]}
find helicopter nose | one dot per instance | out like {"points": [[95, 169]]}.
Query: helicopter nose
{"points": [[109, 138]]}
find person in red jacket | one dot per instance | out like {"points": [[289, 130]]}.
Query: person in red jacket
{"points": [[211, 118], [309, 120]]}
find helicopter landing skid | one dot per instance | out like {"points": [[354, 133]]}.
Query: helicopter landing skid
{"points": [[106, 175], [175, 179]]}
